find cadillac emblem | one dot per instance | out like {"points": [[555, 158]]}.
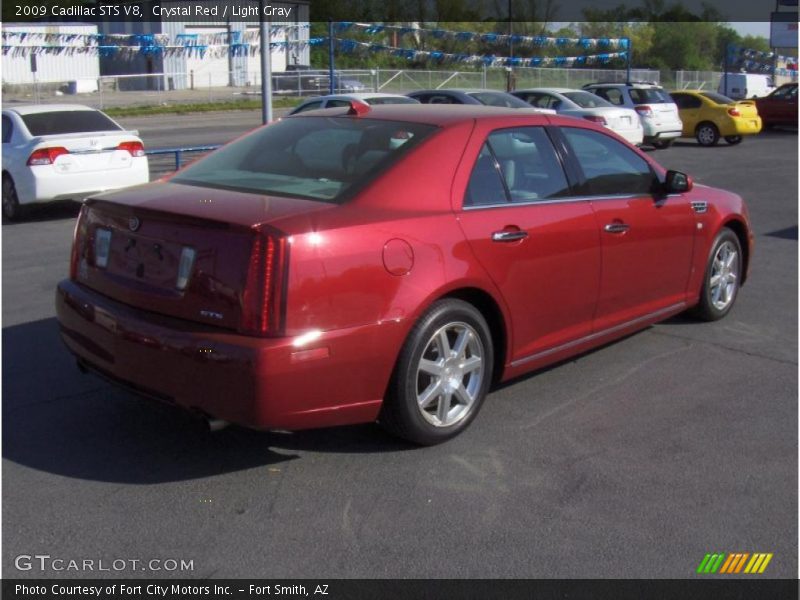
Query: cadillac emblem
{"points": [[134, 223]]}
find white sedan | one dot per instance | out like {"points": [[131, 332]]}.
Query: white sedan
{"points": [[65, 152], [624, 122]]}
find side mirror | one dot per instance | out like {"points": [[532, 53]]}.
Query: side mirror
{"points": [[677, 183]]}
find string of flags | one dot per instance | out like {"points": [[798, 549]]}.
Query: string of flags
{"points": [[189, 50], [17, 37], [247, 43], [350, 46], [756, 61], [534, 41], [190, 47]]}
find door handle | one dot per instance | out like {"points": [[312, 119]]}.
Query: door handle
{"points": [[509, 236], [617, 227]]}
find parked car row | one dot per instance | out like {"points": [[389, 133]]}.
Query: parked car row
{"points": [[69, 151], [640, 112]]}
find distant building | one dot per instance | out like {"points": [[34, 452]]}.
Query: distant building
{"points": [[57, 57], [212, 66]]}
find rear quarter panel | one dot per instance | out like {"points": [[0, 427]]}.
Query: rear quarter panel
{"points": [[338, 276]]}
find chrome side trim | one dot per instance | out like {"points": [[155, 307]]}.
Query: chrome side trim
{"points": [[598, 334], [700, 206], [553, 201]]}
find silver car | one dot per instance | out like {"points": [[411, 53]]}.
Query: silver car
{"points": [[659, 114], [583, 105]]}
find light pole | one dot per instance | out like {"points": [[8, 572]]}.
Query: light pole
{"points": [[265, 32]]}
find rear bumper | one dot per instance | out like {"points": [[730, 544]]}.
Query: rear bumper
{"points": [[45, 184], [742, 126], [265, 383]]}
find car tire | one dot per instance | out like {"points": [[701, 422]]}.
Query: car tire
{"points": [[442, 375], [722, 278], [733, 139], [707, 134], [662, 144], [12, 209]]}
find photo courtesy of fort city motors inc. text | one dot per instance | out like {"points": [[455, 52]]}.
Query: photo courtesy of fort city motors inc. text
{"points": [[409, 300]]}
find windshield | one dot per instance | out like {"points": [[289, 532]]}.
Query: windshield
{"points": [[586, 100], [319, 158], [499, 99], [68, 121], [718, 98]]}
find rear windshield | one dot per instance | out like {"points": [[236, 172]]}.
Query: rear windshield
{"points": [[320, 158], [649, 96], [718, 98], [499, 99], [391, 100], [68, 121], [586, 100]]}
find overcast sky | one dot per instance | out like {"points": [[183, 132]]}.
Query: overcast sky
{"points": [[759, 28]]}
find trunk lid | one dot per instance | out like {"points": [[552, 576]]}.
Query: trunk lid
{"points": [[137, 245], [88, 153]]}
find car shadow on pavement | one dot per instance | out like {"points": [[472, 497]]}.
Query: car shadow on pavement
{"points": [[59, 421], [55, 211]]}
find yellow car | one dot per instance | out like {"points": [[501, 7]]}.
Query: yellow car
{"points": [[708, 116]]}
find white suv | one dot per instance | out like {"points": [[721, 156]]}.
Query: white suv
{"points": [[658, 113]]}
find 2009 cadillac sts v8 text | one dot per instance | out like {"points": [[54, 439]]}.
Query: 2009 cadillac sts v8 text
{"points": [[390, 263]]}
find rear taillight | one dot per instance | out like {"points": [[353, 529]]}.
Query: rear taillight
{"points": [[644, 110], [134, 148], [262, 301], [102, 247], [734, 112], [185, 265], [595, 119], [46, 156], [78, 239]]}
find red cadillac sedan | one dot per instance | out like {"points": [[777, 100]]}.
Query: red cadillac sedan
{"points": [[390, 263]]}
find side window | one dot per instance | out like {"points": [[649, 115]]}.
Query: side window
{"points": [[519, 164], [485, 184], [610, 167], [530, 167], [337, 104], [541, 100], [310, 106], [686, 101], [693, 102], [613, 95], [7, 129], [442, 99]]}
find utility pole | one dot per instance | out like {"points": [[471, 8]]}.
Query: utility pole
{"points": [[510, 68], [265, 32], [330, 59]]}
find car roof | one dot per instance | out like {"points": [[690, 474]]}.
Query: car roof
{"points": [[29, 109], [355, 96], [632, 84], [458, 91], [552, 90], [432, 114]]}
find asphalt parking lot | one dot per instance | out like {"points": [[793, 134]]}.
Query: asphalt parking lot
{"points": [[634, 460]]}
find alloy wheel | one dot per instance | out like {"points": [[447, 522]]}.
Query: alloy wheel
{"points": [[724, 276], [449, 374]]}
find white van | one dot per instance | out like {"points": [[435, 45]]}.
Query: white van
{"points": [[741, 86]]}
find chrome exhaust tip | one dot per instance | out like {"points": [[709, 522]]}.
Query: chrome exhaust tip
{"points": [[216, 424]]}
